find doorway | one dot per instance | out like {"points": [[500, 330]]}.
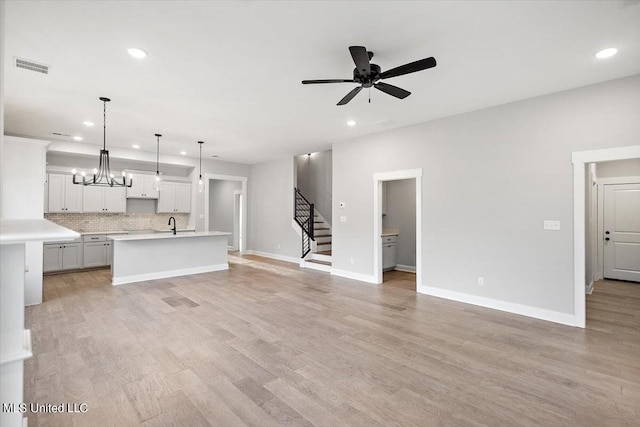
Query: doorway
{"points": [[380, 239], [225, 208], [580, 232]]}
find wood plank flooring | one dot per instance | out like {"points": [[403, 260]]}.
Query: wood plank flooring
{"points": [[267, 343]]}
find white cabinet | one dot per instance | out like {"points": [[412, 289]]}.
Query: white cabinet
{"points": [[64, 195], [95, 254], [143, 187], [97, 251], [175, 197], [62, 256], [103, 199], [389, 253]]}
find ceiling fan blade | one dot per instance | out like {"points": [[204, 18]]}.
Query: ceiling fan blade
{"points": [[313, 82], [361, 59], [392, 90], [411, 67], [350, 96]]}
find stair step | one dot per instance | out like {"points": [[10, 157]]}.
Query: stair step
{"points": [[318, 265], [328, 253], [320, 257], [322, 228], [323, 243]]}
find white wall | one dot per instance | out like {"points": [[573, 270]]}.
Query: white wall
{"points": [[491, 177], [23, 171], [313, 179], [401, 214], [221, 206], [271, 210]]}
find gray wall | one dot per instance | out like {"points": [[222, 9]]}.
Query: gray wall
{"points": [[219, 168], [313, 178], [401, 214], [221, 205], [271, 209], [490, 179]]}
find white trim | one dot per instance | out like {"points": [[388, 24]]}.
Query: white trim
{"points": [[209, 176], [510, 307], [599, 272], [354, 276], [406, 268], [274, 256], [378, 178], [26, 352], [579, 159], [170, 273], [590, 288]]}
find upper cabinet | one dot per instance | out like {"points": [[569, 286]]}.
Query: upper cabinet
{"points": [[104, 199], [142, 187], [64, 195], [175, 197]]}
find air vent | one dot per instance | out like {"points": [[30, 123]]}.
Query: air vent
{"points": [[32, 66]]}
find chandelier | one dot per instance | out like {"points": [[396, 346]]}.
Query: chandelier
{"points": [[102, 176]]}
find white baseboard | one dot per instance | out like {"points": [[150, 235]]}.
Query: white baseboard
{"points": [[166, 274], [523, 310], [355, 276], [589, 289], [275, 256], [406, 268]]}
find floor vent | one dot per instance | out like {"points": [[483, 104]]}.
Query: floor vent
{"points": [[32, 66]]}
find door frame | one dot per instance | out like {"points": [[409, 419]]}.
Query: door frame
{"points": [[243, 179], [378, 179], [579, 159]]}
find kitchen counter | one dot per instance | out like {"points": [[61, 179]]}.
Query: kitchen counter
{"points": [[142, 257], [89, 233], [389, 232], [168, 235]]}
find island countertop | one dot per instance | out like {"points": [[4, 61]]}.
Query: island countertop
{"points": [[167, 235]]}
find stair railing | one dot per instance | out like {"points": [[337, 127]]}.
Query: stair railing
{"points": [[303, 213]]}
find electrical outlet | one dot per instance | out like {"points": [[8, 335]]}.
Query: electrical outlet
{"points": [[343, 218], [201, 216], [480, 281], [353, 261], [278, 246], [551, 225]]}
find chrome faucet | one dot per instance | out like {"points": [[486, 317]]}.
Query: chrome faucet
{"points": [[174, 225]]}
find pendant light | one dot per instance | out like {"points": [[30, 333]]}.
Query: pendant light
{"points": [[200, 183], [157, 184], [102, 176]]}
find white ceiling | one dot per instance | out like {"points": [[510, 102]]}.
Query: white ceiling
{"points": [[229, 73]]}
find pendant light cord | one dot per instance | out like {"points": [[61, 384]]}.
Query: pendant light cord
{"points": [[104, 125], [200, 160], [158, 156]]}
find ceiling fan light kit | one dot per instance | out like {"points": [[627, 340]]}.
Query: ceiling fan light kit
{"points": [[368, 75]]}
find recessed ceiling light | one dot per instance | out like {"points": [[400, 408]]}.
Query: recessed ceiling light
{"points": [[136, 146], [351, 123], [606, 53], [77, 138], [88, 123], [137, 53], [184, 153]]}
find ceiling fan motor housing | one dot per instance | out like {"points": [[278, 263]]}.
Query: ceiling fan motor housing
{"points": [[370, 79]]}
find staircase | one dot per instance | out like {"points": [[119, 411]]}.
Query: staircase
{"points": [[315, 233]]}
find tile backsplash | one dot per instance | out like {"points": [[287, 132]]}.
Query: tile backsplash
{"points": [[89, 222]]}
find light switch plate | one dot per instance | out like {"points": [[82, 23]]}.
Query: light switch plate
{"points": [[552, 225]]}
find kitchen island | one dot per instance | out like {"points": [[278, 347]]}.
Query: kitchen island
{"points": [[141, 257]]}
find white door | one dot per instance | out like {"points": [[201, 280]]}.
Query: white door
{"points": [[167, 197], [115, 199], [622, 232], [95, 254], [71, 256], [92, 199], [137, 188], [56, 193], [149, 186], [183, 198], [72, 195]]}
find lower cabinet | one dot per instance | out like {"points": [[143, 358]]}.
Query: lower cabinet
{"points": [[97, 254], [62, 256], [389, 260]]}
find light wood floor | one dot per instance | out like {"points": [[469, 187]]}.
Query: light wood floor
{"points": [[399, 279], [267, 343]]}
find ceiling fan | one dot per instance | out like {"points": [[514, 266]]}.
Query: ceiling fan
{"points": [[368, 74]]}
